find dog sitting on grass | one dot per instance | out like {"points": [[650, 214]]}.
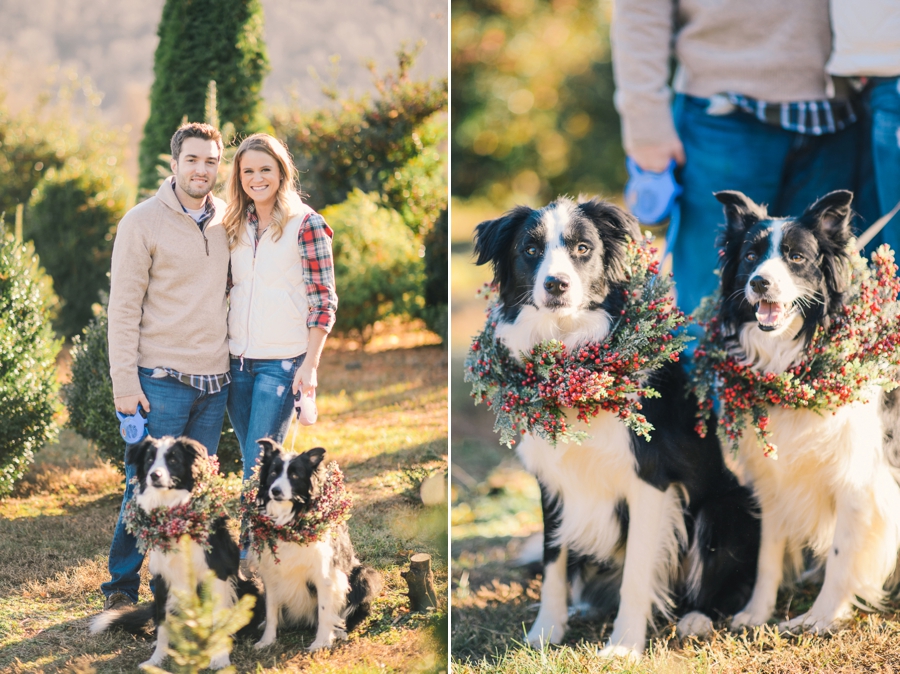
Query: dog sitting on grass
{"points": [[298, 512], [178, 493]]}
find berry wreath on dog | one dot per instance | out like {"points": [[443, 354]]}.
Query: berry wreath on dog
{"points": [[329, 509], [859, 349], [162, 528], [534, 394]]}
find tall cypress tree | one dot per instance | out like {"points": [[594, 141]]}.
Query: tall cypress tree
{"points": [[199, 41]]}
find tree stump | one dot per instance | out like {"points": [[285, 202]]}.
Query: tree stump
{"points": [[420, 582]]}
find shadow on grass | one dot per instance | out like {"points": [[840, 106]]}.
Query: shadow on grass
{"points": [[36, 549]]}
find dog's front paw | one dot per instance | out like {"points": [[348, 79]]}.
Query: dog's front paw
{"points": [[320, 643], [221, 661], [809, 622], [749, 618], [546, 631], [265, 642], [694, 624], [154, 661], [631, 653]]}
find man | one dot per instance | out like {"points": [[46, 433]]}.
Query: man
{"points": [[168, 349], [754, 111]]}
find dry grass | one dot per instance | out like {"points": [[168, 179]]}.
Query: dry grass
{"points": [[383, 417], [494, 601]]}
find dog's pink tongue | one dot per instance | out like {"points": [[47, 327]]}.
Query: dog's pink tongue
{"points": [[769, 313]]}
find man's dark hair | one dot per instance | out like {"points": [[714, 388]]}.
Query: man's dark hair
{"points": [[195, 130]]}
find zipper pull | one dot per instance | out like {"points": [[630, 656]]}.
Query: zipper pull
{"points": [[206, 242], [242, 363]]}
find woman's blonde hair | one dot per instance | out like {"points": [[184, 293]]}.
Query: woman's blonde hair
{"points": [[287, 199]]}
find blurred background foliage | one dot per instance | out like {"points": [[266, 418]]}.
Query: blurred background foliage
{"points": [[188, 56], [532, 107]]}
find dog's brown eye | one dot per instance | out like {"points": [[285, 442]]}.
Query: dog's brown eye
{"points": [[796, 257], [531, 250], [750, 257], [582, 249]]}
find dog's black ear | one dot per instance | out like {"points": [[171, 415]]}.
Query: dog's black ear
{"points": [[196, 451], [615, 226], [494, 238], [269, 447], [314, 457], [741, 212], [831, 215], [134, 454]]}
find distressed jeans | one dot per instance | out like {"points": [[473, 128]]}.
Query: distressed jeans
{"points": [[260, 402], [176, 409]]}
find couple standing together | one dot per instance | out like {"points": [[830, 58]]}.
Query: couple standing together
{"points": [[176, 347]]}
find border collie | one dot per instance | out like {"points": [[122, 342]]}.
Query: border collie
{"points": [[166, 472], [832, 489], [321, 583], [632, 507]]}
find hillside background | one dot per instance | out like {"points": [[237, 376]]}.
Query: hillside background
{"points": [[112, 42]]}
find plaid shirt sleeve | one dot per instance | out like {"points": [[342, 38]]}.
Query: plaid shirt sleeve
{"points": [[318, 271]]}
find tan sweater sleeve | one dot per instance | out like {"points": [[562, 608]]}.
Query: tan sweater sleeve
{"points": [[129, 278], [642, 36]]}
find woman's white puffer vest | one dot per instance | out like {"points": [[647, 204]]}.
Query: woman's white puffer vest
{"points": [[269, 306]]}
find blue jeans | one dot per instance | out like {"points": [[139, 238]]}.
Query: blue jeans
{"points": [[260, 402], [786, 170], [175, 409], [882, 100]]}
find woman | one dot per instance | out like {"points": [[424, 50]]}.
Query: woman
{"points": [[283, 299]]}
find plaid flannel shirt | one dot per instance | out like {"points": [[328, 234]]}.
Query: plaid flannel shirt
{"points": [[314, 241], [812, 118]]}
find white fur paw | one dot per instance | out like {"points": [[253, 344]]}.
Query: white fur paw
{"points": [[154, 661], [221, 661], [631, 653], [545, 632], [694, 624], [341, 634], [266, 641], [748, 619], [320, 643], [808, 622]]}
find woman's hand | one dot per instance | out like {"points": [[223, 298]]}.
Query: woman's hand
{"points": [[305, 377]]}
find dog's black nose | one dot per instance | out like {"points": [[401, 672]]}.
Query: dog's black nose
{"points": [[759, 285], [156, 474], [556, 285], [276, 492]]}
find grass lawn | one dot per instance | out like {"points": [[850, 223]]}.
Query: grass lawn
{"points": [[382, 417]]}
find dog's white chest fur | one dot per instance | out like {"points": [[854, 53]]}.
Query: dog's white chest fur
{"points": [[591, 478], [299, 565]]}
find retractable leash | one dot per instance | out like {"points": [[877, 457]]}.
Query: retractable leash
{"points": [[305, 411], [651, 197], [133, 427], [876, 227]]}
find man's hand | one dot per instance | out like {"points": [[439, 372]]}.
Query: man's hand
{"points": [[128, 404], [656, 158]]}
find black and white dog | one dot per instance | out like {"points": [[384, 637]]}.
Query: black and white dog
{"points": [[833, 489], [666, 516], [166, 470], [320, 583]]}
